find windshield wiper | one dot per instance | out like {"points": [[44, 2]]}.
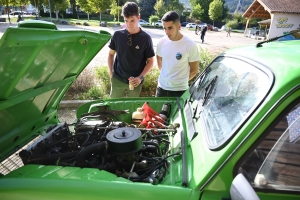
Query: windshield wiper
{"points": [[209, 88], [197, 87]]}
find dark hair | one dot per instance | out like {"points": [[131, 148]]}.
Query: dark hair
{"points": [[171, 16], [130, 9]]}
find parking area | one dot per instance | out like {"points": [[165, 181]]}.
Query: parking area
{"points": [[214, 42]]}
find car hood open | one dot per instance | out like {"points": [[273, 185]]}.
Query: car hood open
{"points": [[38, 63]]}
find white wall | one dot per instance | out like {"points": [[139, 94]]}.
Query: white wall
{"points": [[282, 23]]}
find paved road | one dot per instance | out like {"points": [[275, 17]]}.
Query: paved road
{"points": [[215, 42]]}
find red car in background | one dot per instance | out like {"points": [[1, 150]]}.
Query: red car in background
{"points": [[209, 27]]}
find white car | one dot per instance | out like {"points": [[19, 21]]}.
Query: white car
{"points": [[158, 23], [191, 25], [143, 22]]}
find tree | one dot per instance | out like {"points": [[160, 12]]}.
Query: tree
{"points": [[160, 8], [215, 10], [86, 7], [60, 6], [146, 8], [175, 5], [232, 24], [115, 10], [197, 12], [6, 3], [99, 6], [153, 19]]}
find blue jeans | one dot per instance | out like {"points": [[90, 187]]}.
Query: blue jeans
{"points": [[168, 93]]}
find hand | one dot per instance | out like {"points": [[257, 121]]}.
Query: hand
{"points": [[135, 81]]}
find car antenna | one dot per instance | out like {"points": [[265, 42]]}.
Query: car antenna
{"points": [[275, 38]]}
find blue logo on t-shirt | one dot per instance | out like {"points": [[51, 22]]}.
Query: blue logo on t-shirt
{"points": [[178, 56]]}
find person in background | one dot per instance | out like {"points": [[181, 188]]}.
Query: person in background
{"points": [[196, 29], [228, 32], [19, 18], [131, 55], [203, 31], [177, 58]]}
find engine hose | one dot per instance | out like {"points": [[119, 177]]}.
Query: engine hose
{"points": [[100, 147], [154, 144], [48, 159]]}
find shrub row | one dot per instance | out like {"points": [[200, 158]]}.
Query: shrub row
{"points": [[94, 83]]}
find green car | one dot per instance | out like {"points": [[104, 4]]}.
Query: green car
{"points": [[233, 135]]}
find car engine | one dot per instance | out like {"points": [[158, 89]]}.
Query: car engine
{"points": [[137, 154]]}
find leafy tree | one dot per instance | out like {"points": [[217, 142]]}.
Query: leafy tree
{"points": [[85, 6], [175, 5], [100, 6], [160, 8], [197, 12], [115, 10], [215, 10], [37, 4], [153, 19], [146, 8], [60, 7], [6, 3], [232, 24]]}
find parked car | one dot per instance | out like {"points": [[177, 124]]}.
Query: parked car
{"points": [[234, 134], [143, 22], [158, 23], [183, 24], [191, 25], [223, 28], [16, 13]]}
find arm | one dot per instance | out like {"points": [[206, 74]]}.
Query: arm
{"points": [[110, 62], [148, 67], [193, 69], [159, 62], [136, 80]]}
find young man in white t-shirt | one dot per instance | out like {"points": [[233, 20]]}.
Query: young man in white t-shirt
{"points": [[177, 58]]}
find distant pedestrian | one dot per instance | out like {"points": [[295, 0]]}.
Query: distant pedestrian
{"points": [[228, 32], [19, 18], [196, 29], [203, 31]]}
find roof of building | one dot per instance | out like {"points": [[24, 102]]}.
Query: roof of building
{"points": [[263, 8]]}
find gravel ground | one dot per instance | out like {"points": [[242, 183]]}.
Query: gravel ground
{"points": [[215, 43]]}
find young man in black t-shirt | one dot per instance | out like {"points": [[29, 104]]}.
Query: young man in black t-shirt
{"points": [[134, 55]]}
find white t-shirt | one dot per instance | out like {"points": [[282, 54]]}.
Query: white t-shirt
{"points": [[176, 55]]}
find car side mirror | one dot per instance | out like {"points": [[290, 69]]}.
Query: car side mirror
{"points": [[241, 189]]}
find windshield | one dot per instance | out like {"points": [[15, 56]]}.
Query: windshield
{"points": [[227, 92]]}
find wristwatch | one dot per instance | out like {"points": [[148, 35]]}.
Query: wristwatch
{"points": [[141, 77]]}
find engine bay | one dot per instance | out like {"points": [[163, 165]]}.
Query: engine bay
{"points": [[138, 151]]}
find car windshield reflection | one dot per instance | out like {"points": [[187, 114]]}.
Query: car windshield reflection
{"points": [[234, 94]]}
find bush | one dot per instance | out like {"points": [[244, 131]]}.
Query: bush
{"points": [[84, 81], [103, 79], [150, 83], [94, 83]]}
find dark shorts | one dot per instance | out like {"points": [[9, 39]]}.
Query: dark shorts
{"points": [[168, 93]]}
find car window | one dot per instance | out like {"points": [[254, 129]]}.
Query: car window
{"points": [[228, 92], [275, 163]]}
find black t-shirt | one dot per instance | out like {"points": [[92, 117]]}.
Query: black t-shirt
{"points": [[130, 60]]}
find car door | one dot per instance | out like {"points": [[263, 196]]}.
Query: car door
{"points": [[272, 165]]}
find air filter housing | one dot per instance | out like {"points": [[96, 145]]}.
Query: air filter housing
{"points": [[124, 140]]}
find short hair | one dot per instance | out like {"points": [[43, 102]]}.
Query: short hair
{"points": [[171, 16], [130, 9]]}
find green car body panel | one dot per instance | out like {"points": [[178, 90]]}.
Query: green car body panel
{"points": [[204, 167]]}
